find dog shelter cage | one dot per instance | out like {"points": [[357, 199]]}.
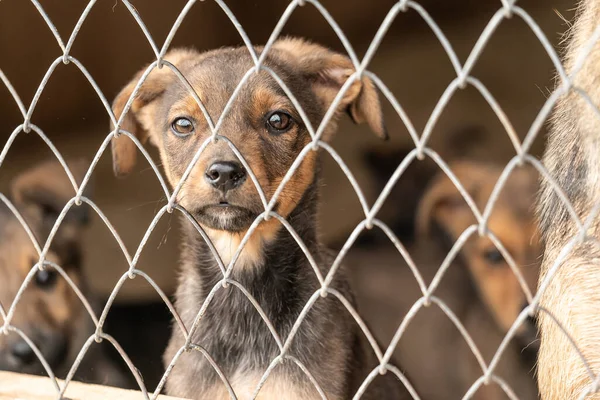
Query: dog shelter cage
{"points": [[123, 35]]}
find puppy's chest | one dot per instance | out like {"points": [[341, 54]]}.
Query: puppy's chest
{"points": [[279, 385]]}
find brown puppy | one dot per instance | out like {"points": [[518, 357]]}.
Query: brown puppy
{"points": [[479, 286], [268, 131], [572, 293], [49, 311]]}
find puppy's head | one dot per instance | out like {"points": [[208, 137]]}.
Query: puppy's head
{"points": [[444, 211], [262, 123], [48, 312]]}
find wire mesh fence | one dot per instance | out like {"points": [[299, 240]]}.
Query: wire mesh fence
{"points": [[507, 9]]}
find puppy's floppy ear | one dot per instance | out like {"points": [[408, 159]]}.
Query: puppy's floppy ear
{"points": [[43, 191], [443, 208], [328, 71], [124, 150]]}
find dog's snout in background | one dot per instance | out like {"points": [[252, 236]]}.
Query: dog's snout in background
{"points": [[479, 286], [48, 313]]}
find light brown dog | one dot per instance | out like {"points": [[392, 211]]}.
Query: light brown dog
{"points": [[479, 286], [219, 194], [573, 293], [49, 311]]}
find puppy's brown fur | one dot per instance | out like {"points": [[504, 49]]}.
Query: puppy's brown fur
{"points": [[479, 287], [271, 267], [49, 312], [572, 159]]}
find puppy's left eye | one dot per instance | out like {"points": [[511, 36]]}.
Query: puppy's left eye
{"points": [[182, 127], [279, 122], [493, 256]]}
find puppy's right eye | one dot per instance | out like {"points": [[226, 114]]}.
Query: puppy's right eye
{"points": [[182, 127], [493, 256], [46, 278]]}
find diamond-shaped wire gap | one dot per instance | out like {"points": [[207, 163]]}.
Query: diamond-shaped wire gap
{"points": [[292, 233], [396, 105], [103, 336], [416, 307], [75, 288], [50, 24], [337, 262], [487, 96], [507, 338], [280, 359], [390, 369], [438, 33], [306, 372], [99, 334], [496, 379], [393, 369], [46, 78], [489, 30], [37, 352], [65, 48], [288, 342], [27, 114], [13, 93], [449, 259], [567, 81], [206, 355], [219, 285], [389, 186], [50, 145], [455, 181], [382, 367], [142, 26], [404, 253], [22, 221], [174, 29]]}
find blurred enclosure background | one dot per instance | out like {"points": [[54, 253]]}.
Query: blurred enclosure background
{"points": [[411, 62]]}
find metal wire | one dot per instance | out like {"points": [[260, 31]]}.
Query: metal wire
{"points": [[507, 9]]}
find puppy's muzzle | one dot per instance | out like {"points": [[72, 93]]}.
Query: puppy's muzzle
{"points": [[225, 175]]}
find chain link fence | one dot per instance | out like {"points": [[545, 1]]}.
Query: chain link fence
{"points": [[507, 9]]}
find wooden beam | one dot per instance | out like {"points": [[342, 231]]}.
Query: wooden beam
{"points": [[14, 386]]}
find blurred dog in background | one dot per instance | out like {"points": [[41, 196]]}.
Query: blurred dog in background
{"points": [[49, 312], [479, 286]]}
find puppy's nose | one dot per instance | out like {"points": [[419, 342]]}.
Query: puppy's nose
{"points": [[22, 353], [225, 175]]}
